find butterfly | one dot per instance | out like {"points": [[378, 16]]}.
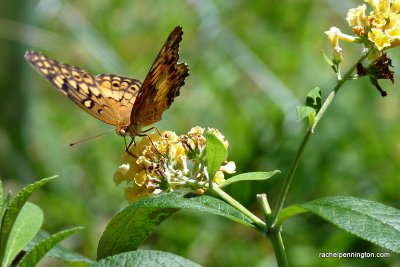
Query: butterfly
{"points": [[124, 102]]}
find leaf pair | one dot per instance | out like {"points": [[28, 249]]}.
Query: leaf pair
{"points": [[20, 223]]}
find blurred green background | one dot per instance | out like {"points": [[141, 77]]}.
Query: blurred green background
{"points": [[251, 64]]}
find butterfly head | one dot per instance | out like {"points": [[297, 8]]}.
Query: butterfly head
{"points": [[122, 130], [130, 130]]}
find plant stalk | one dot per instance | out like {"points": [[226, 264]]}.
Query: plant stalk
{"points": [[260, 224], [289, 178], [279, 249]]}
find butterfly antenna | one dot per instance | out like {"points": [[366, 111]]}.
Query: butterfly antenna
{"points": [[90, 138]]}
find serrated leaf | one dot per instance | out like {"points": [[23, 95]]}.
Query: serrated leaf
{"points": [[128, 229], [249, 176], [33, 256], [216, 154], [366, 219], [150, 258], [58, 251], [14, 208], [26, 226]]}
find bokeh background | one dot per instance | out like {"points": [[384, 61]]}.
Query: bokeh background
{"points": [[251, 64]]}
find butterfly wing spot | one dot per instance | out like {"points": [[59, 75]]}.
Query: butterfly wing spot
{"points": [[87, 79], [59, 83], [45, 71], [84, 87], [115, 85], [127, 96], [73, 84], [124, 85], [47, 64], [76, 76], [88, 103], [66, 72], [95, 91], [106, 84]]}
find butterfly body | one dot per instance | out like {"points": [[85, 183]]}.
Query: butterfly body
{"points": [[124, 102]]}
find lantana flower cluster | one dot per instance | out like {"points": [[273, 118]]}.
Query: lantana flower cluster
{"points": [[380, 28], [164, 161]]}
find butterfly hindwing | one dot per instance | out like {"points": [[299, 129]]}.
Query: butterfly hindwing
{"points": [[162, 84], [109, 98]]}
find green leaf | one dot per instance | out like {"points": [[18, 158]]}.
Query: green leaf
{"points": [[216, 154], [13, 209], [327, 59], [6, 203], [249, 176], [366, 219], [313, 105], [313, 99], [58, 251], [145, 258], [26, 226], [290, 212], [306, 112], [33, 256], [128, 229], [1, 198]]}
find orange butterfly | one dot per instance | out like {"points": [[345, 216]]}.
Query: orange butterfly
{"points": [[123, 102]]}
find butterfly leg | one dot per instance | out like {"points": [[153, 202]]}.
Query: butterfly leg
{"points": [[151, 141], [152, 128], [148, 130], [128, 146]]}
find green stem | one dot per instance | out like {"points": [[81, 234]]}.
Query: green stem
{"points": [[261, 225], [289, 178], [265, 208], [335, 90], [279, 248]]}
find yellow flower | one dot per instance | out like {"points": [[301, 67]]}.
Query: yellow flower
{"points": [[167, 162], [219, 177], [380, 39], [356, 16], [381, 27], [333, 35]]}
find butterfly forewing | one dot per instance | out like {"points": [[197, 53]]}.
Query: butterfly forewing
{"points": [[117, 100], [109, 98], [162, 84]]}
